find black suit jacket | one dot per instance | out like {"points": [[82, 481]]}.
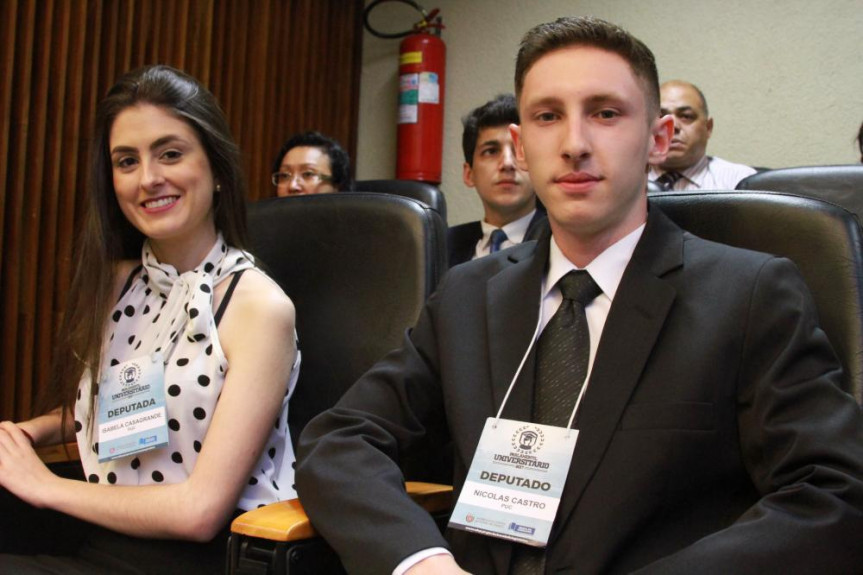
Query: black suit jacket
{"points": [[714, 436], [461, 239]]}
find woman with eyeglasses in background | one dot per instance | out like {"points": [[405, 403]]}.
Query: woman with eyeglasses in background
{"points": [[311, 163], [176, 358]]}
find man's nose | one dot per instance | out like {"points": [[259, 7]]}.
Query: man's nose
{"points": [[576, 141], [507, 158]]}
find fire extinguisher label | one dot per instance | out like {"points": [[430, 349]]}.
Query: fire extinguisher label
{"points": [[409, 88], [409, 94], [429, 91], [410, 58], [408, 114]]}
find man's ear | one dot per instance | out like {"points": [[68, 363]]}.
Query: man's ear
{"points": [[467, 175], [515, 133], [660, 139], [709, 127]]}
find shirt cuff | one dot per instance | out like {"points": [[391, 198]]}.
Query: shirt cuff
{"points": [[412, 560]]}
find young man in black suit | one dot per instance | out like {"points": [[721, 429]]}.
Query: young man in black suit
{"points": [[713, 438], [508, 202]]}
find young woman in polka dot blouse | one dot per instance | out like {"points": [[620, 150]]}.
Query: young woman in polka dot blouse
{"points": [[165, 177]]}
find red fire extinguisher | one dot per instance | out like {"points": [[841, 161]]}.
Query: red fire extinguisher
{"points": [[422, 65]]}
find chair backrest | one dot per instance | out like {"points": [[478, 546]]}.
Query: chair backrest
{"points": [[427, 193], [841, 185], [358, 268], [821, 238]]}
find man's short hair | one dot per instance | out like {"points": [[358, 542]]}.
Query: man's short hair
{"points": [[592, 32], [501, 111], [340, 162]]}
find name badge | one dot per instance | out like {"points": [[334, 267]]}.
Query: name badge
{"points": [[515, 481], [132, 413]]}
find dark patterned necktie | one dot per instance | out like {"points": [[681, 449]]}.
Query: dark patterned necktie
{"points": [[667, 180], [498, 236], [563, 352]]}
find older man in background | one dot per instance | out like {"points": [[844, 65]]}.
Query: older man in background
{"points": [[687, 166]]}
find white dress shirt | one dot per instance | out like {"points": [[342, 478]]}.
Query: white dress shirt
{"points": [[709, 173], [606, 269]]}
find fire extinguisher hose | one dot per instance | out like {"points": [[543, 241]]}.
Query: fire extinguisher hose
{"points": [[425, 23]]}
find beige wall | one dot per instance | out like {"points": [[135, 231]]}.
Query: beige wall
{"points": [[783, 78]]}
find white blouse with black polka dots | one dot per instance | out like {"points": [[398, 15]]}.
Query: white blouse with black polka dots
{"points": [[162, 311]]}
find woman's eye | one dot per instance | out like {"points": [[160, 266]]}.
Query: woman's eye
{"points": [[172, 155], [125, 162]]}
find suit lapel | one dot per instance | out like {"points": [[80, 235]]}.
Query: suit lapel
{"points": [[637, 315], [512, 310]]}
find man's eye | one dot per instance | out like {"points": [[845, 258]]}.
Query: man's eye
{"points": [[489, 151], [608, 114], [546, 116]]}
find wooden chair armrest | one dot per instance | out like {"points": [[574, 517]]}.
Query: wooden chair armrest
{"points": [[59, 453], [287, 520]]}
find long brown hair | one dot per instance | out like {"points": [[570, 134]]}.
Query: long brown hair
{"points": [[108, 237]]}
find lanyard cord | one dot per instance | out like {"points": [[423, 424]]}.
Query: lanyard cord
{"points": [[533, 340], [520, 366]]}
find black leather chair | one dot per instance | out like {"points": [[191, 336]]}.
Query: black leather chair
{"points": [[841, 185], [427, 193], [823, 239], [358, 267]]}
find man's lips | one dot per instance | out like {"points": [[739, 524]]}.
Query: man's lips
{"points": [[576, 178], [577, 181]]}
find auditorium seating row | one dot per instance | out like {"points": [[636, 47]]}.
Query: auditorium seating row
{"points": [[359, 267]]}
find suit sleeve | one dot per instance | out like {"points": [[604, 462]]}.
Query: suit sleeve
{"points": [[347, 473], [802, 446]]}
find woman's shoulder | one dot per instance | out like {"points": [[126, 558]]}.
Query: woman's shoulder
{"points": [[257, 295]]}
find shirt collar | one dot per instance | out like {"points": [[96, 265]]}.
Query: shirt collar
{"points": [[689, 174], [515, 230], [695, 169], [606, 269]]}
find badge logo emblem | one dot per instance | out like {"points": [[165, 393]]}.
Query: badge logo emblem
{"points": [[130, 374], [528, 439]]}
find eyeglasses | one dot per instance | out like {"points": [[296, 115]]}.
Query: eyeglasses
{"points": [[306, 177]]}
